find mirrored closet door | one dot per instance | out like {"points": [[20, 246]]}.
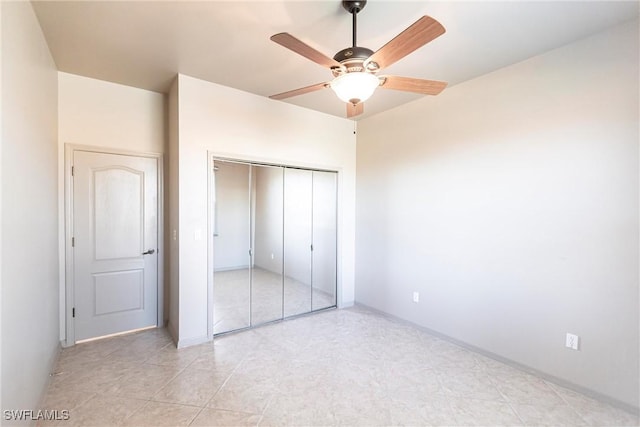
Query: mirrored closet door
{"points": [[324, 226], [274, 244], [266, 247], [232, 239], [298, 235]]}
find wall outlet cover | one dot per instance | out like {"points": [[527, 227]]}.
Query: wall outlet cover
{"points": [[572, 341]]}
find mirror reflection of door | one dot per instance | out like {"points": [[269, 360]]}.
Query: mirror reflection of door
{"points": [[232, 238], [267, 228]]}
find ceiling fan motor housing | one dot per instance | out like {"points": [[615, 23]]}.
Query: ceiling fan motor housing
{"points": [[352, 58], [354, 6]]}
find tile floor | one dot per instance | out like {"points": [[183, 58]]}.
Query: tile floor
{"points": [[339, 367], [247, 297]]}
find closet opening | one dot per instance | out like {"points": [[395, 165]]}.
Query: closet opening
{"points": [[273, 244]]}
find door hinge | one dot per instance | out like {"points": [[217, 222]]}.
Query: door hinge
{"points": [[73, 171], [73, 242], [312, 247], [73, 312]]}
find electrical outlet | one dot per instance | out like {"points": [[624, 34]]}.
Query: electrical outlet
{"points": [[572, 341], [416, 296]]}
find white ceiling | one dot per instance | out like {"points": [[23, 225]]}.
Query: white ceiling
{"points": [[145, 44]]}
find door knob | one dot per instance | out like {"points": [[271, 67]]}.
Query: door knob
{"points": [[149, 252]]}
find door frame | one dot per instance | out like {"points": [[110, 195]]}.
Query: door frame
{"points": [[67, 303]]}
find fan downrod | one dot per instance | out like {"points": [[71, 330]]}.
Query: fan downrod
{"points": [[352, 57], [354, 6]]}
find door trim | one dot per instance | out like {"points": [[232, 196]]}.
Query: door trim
{"points": [[67, 303]]}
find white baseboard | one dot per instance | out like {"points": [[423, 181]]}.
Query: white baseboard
{"points": [[193, 341], [173, 332]]}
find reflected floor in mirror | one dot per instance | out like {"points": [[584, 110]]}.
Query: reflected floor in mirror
{"points": [[243, 298], [337, 367]]}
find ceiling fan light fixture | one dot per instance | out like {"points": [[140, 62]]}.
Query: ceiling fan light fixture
{"points": [[355, 87]]}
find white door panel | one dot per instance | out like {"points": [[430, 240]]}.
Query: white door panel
{"points": [[119, 213], [115, 214]]}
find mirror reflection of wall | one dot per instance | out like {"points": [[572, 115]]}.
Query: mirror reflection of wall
{"points": [[231, 241], [274, 244], [324, 239], [267, 228], [297, 241]]}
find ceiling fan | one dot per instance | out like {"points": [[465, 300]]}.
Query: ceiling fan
{"points": [[355, 68]]}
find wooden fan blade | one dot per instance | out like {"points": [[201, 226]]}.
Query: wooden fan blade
{"points": [[407, 84], [301, 48], [300, 91], [355, 110], [417, 35]]}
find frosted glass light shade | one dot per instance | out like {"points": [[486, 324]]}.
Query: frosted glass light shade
{"points": [[355, 87]]}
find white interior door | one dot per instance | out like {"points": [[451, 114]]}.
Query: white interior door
{"points": [[115, 243]]}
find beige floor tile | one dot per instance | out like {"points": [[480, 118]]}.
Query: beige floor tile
{"points": [[404, 415], [142, 382], [91, 377], [191, 387], [596, 413], [103, 411], [454, 358], [131, 355], [66, 399], [340, 367], [174, 357], [410, 387], [243, 395], [219, 418], [362, 409], [527, 389], [434, 409], [474, 412], [550, 415], [298, 410], [218, 359], [76, 357], [471, 384], [162, 414]]}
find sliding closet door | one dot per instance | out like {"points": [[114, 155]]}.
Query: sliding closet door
{"points": [[267, 215], [298, 189], [324, 240], [274, 244], [231, 277]]}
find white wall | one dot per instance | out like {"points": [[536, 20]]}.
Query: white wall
{"points": [[103, 114], [510, 202], [236, 124], [233, 216], [29, 209], [108, 115]]}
